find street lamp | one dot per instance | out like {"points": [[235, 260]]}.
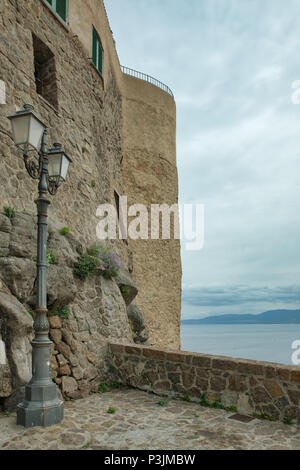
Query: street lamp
{"points": [[41, 406]]}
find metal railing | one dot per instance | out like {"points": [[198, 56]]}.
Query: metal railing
{"points": [[146, 78]]}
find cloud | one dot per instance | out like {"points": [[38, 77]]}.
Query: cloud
{"points": [[231, 66]]}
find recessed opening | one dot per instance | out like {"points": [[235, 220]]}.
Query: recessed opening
{"points": [[45, 71]]}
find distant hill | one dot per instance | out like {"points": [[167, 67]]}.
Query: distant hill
{"points": [[269, 317]]}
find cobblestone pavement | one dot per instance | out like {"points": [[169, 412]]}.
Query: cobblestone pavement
{"points": [[139, 423]]}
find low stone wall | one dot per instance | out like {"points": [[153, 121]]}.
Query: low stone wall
{"points": [[251, 386]]}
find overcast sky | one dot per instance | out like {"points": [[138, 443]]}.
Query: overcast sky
{"points": [[231, 65]]}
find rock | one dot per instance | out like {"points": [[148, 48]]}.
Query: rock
{"points": [[5, 224], [69, 384], [127, 286], [54, 322], [64, 370], [137, 319], [273, 388], [4, 243], [19, 276], [61, 288], [61, 360], [55, 335], [64, 349], [67, 336], [65, 247], [17, 328], [77, 372]]}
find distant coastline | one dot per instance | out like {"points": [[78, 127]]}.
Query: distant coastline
{"points": [[270, 317]]}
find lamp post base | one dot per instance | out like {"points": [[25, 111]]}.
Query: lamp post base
{"points": [[41, 407]]}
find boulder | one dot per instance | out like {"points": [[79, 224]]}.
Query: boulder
{"points": [[16, 327], [138, 322]]}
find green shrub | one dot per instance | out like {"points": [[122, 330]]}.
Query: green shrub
{"points": [[63, 312], [103, 388], [64, 230], [86, 266], [50, 258], [162, 403], [125, 290], [111, 410], [10, 212], [89, 262]]}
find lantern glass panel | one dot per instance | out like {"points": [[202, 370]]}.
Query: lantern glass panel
{"points": [[36, 131], [64, 167], [20, 129], [54, 164]]}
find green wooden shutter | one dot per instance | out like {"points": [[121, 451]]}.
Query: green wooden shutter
{"points": [[94, 46], [62, 9], [50, 2]]}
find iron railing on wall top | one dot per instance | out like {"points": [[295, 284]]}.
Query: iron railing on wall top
{"points": [[146, 78]]}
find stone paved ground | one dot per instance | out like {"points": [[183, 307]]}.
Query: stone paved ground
{"points": [[139, 423]]}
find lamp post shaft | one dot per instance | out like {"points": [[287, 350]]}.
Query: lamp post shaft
{"points": [[41, 406]]}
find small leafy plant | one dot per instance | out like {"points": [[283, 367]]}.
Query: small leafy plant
{"points": [[125, 290], [7, 414], [187, 398], [64, 230], [264, 416], [50, 258], [288, 420], [111, 410], [107, 386], [86, 266], [10, 212], [162, 403], [63, 312], [103, 388]]}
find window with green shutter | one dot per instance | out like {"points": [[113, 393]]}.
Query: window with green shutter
{"points": [[60, 7], [97, 51]]}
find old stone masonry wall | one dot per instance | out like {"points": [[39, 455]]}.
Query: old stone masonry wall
{"points": [[83, 111], [268, 390], [83, 314]]}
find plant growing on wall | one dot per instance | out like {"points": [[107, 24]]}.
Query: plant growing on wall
{"points": [[110, 260], [10, 212], [64, 230], [89, 263]]}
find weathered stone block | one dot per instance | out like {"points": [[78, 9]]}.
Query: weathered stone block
{"points": [[64, 349], [260, 395], [55, 335], [163, 385], [295, 376], [224, 364], [250, 368], [54, 322], [69, 384], [217, 384], [237, 383], [64, 370], [273, 388], [202, 361]]}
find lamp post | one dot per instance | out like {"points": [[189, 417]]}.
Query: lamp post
{"points": [[41, 406]]}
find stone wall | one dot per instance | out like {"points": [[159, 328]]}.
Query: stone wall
{"points": [[251, 386], [97, 312], [150, 177], [87, 119]]}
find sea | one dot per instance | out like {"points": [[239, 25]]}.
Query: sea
{"points": [[272, 343]]}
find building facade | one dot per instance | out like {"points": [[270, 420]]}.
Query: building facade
{"points": [[119, 128]]}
